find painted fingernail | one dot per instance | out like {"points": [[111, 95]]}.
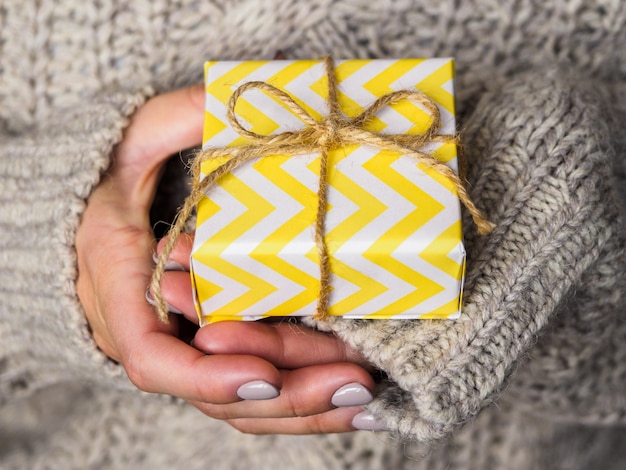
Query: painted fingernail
{"points": [[257, 390], [170, 264], [152, 302], [352, 394], [365, 421]]}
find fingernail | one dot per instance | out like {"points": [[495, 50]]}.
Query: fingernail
{"points": [[170, 264], [152, 302], [257, 390], [365, 421], [352, 394]]}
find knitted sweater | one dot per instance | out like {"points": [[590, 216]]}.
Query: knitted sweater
{"points": [[533, 375]]}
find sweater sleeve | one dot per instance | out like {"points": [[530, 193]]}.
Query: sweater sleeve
{"points": [[46, 175], [578, 367], [540, 168]]}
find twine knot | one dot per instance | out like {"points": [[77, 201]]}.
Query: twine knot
{"points": [[327, 133], [333, 131]]}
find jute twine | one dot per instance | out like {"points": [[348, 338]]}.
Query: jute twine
{"points": [[333, 131]]}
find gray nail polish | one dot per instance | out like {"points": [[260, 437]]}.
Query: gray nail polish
{"points": [[257, 390], [152, 302], [352, 394], [365, 421], [170, 264]]}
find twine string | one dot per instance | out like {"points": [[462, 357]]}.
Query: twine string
{"points": [[333, 131]]}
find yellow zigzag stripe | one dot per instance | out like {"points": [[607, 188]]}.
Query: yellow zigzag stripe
{"points": [[432, 86], [439, 178], [268, 250], [369, 209], [281, 79], [204, 289], [381, 251], [212, 126], [446, 152], [223, 88], [263, 124], [451, 308], [444, 311], [207, 208], [344, 71], [257, 209], [437, 252], [288, 74], [347, 105], [380, 85]]}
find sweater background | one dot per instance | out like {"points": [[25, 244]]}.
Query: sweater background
{"points": [[533, 374]]}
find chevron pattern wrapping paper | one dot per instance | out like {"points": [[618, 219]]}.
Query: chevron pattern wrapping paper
{"points": [[393, 227]]}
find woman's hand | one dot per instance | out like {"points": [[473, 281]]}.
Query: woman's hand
{"points": [[261, 377]]}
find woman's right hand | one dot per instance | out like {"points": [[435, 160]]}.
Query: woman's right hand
{"points": [[235, 370], [324, 383]]}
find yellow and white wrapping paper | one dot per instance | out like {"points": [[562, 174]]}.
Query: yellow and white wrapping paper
{"points": [[393, 228]]}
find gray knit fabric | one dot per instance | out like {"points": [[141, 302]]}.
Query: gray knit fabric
{"points": [[532, 376]]}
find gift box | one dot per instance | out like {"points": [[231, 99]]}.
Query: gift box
{"points": [[392, 224]]}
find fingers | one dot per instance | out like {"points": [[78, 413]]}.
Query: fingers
{"points": [[310, 377], [334, 421], [178, 294], [305, 392], [156, 360], [182, 250], [313, 400], [164, 364], [175, 282], [165, 125], [116, 274], [285, 345]]}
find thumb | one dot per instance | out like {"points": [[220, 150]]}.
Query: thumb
{"points": [[164, 125]]}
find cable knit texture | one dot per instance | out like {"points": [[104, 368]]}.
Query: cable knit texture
{"points": [[532, 376]]}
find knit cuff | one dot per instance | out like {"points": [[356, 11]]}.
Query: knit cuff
{"points": [[46, 177], [578, 367], [538, 169]]}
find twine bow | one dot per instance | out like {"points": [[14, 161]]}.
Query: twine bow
{"points": [[333, 131]]}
